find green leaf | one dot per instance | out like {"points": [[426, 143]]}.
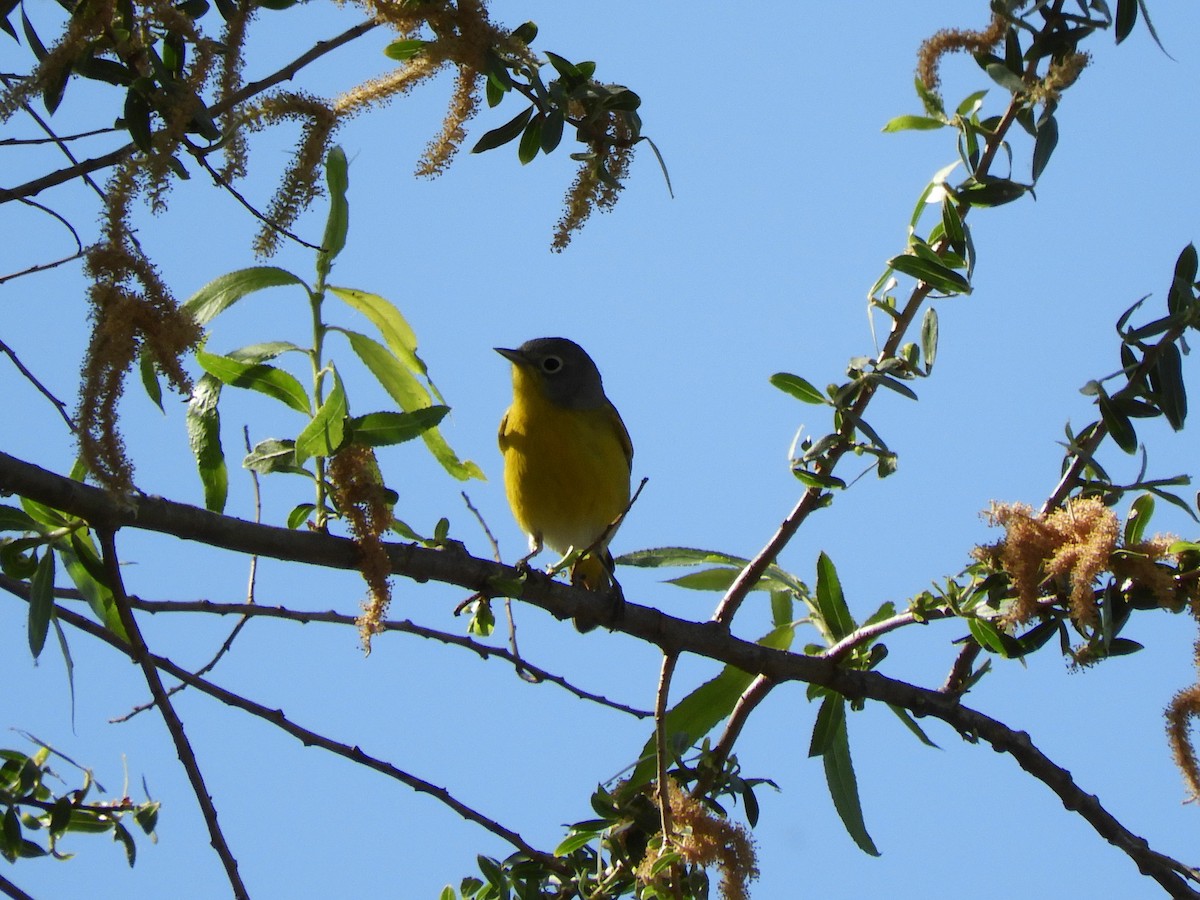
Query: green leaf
{"points": [[525, 32], [1127, 12], [410, 395], [393, 328], [831, 718], [337, 223], [94, 590], [274, 455], [531, 140], [1167, 379], [1180, 294], [939, 277], [573, 842], [221, 293], [204, 436], [324, 434], [971, 103], [275, 383], [122, 836], [13, 519], [1140, 512], [1005, 77], [1118, 424], [137, 118], [929, 338], [665, 557], [798, 388], [404, 50], [988, 636], [993, 192], [150, 378], [911, 724], [552, 131], [843, 789], [913, 123], [704, 708], [299, 515], [706, 579], [831, 605], [498, 137], [380, 429], [1043, 147], [41, 602]]}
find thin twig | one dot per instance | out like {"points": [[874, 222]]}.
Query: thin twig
{"points": [[661, 697], [813, 497], [11, 890], [41, 388], [87, 166], [220, 181], [754, 694], [523, 672], [309, 738], [53, 264], [484, 651], [59, 142], [140, 653]]}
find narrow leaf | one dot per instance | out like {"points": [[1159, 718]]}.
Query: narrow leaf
{"points": [[150, 378], [221, 293], [41, 602], [929, 338], [937, 276], [381, 429], [275, 383], [337, 223], [1043, 147], [498, 137], [323, 435], [843, 789], [831, 718], [1182, 280], [913, 123], [204, 436], [835, 615], [911, 724], [798, 388], [1118, 424]]}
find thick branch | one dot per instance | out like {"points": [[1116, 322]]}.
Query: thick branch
{"points": [[708, 639]]}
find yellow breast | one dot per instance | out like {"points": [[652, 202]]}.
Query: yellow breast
{"points": [[566, 471]]}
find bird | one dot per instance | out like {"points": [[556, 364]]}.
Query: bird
{"points": [[567, 457]]}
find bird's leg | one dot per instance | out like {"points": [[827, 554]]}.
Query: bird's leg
{"points": [[535, 547]]}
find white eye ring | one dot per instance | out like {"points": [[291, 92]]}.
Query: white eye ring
{"points": [[551, 364]]}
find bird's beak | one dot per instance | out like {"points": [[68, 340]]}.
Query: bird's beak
{"points": [[516, 357]]}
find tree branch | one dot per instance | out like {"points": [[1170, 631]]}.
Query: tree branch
{"points": [[710, 639], [311, 738], [138, 651]]}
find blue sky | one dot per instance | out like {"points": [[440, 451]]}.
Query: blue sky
{"points": [[788, 200]]}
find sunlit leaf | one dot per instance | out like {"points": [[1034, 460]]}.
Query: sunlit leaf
{"points": [[323, 435], [221, 293], [204, 436]]}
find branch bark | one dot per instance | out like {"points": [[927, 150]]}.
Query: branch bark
{"points": [[710, 639]]}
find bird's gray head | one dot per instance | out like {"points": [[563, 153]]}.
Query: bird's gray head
{"points": [[565, 371]]}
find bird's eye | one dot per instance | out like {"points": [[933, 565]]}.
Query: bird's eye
{"points": [[551, 364]]}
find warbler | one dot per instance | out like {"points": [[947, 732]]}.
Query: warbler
{"points": [[567, 456]]}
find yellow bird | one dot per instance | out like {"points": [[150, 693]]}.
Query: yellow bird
{"points": [[567, 456]]}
